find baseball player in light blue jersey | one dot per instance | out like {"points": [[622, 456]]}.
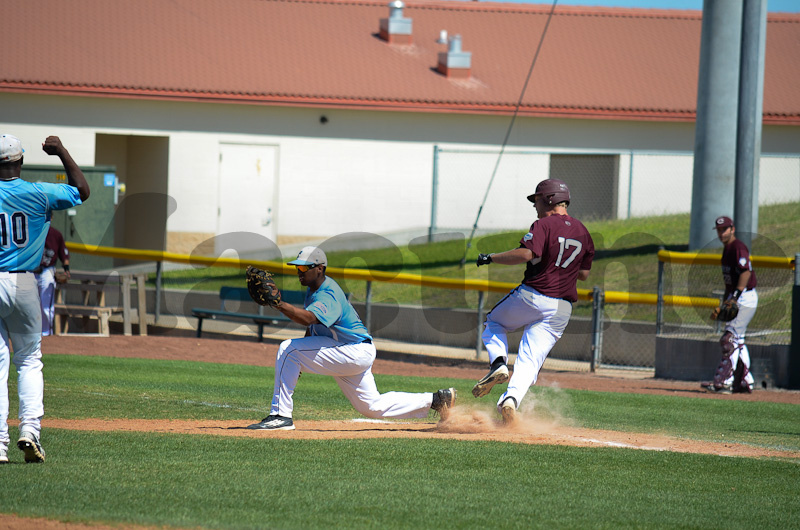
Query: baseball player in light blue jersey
{"points": [[338, 344], [25, 210]]}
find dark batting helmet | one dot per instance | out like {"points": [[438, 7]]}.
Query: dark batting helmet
{"points": [[554, 191]]}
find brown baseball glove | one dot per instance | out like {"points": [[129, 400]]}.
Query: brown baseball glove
{"points": [[262, 287], [727, 311], [62, 276]]}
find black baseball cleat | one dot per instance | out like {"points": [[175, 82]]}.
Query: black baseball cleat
{"points": [[275, 423], [497, 374], [443, 401]]}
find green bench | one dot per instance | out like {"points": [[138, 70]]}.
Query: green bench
{"points": [[240, 294]]}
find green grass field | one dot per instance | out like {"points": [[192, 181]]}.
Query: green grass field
{"points": [[205, 481]]}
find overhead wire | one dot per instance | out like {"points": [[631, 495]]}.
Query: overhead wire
{"points": [[508, 131]]}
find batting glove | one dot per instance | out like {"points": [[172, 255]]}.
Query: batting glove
{"points": [[483, 259]]}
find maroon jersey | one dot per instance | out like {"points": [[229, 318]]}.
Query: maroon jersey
{"points": [[735, 261], [53, 248], [561, 247]]}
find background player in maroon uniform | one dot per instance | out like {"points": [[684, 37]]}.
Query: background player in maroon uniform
{"points": [[54, 249], [558, 251], [733, 373]]}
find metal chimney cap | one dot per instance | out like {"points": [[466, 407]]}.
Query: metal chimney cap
{"points": [[455, 44], [397, 4]]}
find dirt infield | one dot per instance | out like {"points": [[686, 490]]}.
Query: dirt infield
{"points": [[470, 420]]}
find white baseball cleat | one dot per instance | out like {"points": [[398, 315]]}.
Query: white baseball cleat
{"points": [[29, 444], [495, 376], [508, 409]]}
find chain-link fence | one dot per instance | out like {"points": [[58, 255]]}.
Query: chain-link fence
{"points": [[622, 332]]}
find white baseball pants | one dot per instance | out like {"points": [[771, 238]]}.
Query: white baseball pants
{"points": [[47, 293], [748, 303], [351, 366], [543, 319], [21, 322]]}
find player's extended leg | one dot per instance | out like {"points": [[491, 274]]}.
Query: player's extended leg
{"points": [[363, 393], [537, 341]]}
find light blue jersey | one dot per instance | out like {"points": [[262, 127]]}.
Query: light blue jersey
{"points": [[25, 210], [338, 318]]}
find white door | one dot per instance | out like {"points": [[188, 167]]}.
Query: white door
{"points": [[247, 179]]}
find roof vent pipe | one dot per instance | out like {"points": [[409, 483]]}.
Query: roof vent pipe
{"points": [[455, 44], [455, 63], [396, 9], [396, 29]]}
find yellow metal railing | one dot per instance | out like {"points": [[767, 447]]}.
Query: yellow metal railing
{"points": [[611, 297], [695, 258], [281, 268]]}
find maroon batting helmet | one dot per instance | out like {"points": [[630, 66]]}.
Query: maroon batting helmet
{"points": [[554, 191]]}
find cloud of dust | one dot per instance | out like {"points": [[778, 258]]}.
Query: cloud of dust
{"points": [[540, 412]]}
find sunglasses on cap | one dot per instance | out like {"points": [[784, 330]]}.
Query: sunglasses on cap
{"points": [[306, 268]]}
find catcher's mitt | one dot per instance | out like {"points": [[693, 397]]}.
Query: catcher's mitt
{"points": [[260, 285], [727, 311], [61, 277]]}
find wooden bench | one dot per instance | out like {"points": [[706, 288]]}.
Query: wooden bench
{"points": [[240, 294], [92, 305]]}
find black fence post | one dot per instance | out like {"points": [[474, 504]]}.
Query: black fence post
{"points": [[794, 347]]}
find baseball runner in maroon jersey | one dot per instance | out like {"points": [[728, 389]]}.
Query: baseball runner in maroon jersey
{"points": [[558, 251], [733, 373]]}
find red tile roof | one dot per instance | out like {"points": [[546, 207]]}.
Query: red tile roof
{"points": [[595, 62]]}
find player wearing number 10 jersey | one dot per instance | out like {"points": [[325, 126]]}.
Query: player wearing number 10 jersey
{"points": [[558, 251], [25, 210]]}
